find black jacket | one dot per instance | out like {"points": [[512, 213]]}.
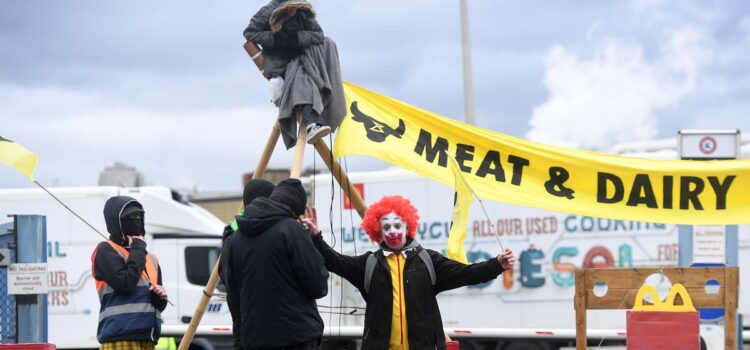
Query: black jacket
{"points": [[278, 45], [422, 312], [273, 276], [119, 274]]}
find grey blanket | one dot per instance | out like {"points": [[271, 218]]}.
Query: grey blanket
{"points": [[312, 78]]}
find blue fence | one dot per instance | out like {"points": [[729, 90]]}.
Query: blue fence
{"points": [[8, 334]]}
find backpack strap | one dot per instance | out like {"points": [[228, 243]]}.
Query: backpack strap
{"points": [[372, 261], [369, 270], [428, 263]]}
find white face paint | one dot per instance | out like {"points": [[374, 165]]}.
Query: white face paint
{"points": [[393, 230]]}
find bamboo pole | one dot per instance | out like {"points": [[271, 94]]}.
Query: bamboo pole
{"points": [[265, 157], [299, 149], [354, 196]]}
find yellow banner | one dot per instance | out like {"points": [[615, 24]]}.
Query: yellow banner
{"points": [[459, 220], [508, 169]]}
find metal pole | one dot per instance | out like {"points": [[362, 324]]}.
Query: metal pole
{"points": [[466, 47]]}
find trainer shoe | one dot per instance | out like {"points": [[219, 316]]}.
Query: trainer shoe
{"points": [[317, 132]]}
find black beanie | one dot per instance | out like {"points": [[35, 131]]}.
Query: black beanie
{"points": [[256, 188], [291, 193]]}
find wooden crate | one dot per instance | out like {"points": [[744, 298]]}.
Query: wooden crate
{"points": [[623, 285]]}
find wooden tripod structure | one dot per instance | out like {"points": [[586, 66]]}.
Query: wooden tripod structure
{"points": [[260, 168]]}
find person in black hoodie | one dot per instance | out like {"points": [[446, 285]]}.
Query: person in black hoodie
{"points": [[128, 280], [255, 188], [275, 273]]}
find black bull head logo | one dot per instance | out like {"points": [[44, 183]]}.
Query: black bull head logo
{"points": [[377, 131]]}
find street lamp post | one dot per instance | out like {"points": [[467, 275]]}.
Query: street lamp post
{"points": [[468, 84]]}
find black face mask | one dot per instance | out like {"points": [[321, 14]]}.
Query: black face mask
{"points": [[132, 226]]}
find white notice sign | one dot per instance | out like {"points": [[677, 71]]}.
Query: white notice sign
{"points": [[27, 278], [709, 244]]}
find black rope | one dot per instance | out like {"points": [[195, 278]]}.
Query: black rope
{"points": [[333, 236], [315, 171], [330, 208], [350, 313], [341, 232], [351, 215], [341, 307]]}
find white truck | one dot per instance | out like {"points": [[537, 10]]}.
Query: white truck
{"points": [[185, 237], [530, 308]]}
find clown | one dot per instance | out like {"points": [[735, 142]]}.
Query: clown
{"points": [[400, 280]]}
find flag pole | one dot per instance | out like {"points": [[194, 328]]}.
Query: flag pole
{"points": [[70, 210]]}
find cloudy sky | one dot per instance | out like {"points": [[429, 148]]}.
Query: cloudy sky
{"points": [[166, 87]]}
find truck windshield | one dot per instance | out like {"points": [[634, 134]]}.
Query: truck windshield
{"points": [[199, 262]]}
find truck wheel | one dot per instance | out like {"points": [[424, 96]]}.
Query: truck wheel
{"points": [[526, 345]]}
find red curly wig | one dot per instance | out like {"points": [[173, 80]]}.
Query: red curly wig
{"points": [[400, 205]]}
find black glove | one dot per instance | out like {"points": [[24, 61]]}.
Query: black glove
{"points": [[293, 41], [295, 23], [280, 40]]}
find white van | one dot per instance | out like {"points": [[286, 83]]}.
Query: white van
{"points": [[185, 237]]}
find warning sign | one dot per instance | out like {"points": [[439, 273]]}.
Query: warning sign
{"points": [[709, 244], [27, 278]]}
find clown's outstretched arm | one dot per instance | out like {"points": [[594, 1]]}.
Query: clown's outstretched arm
{"points": [[352, 268], [452, 274]]}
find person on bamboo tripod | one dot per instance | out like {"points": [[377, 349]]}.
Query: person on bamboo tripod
{"points": [[302, 66], [401, 279], [128, 280]]}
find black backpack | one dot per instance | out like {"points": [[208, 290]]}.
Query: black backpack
{"points": [[372, 261]]}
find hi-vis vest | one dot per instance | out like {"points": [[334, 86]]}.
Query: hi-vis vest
{"points": [[124, 315]]}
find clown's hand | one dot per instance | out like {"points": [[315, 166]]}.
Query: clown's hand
{"points": [[310, 220], [506, 259]]}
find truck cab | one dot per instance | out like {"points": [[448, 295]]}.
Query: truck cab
{"points": [[185, 238]]}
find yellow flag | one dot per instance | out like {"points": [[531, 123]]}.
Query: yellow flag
{"points": [[18, 157], [461, 208], [502, 168]]}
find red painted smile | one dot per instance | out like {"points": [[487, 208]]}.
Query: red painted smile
{"points": [[394, 239]]}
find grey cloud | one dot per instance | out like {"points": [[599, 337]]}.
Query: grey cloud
{"points": [[174, 73]]}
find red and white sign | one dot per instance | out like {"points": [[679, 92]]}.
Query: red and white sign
{"points": [[707, 145]]}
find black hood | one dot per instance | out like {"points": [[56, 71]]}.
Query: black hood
{"points": [[256, 188], [261, 214], [291, 193], [112, 211]]}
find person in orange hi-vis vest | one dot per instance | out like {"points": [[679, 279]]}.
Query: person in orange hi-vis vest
{"points": [[128, 280]]}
